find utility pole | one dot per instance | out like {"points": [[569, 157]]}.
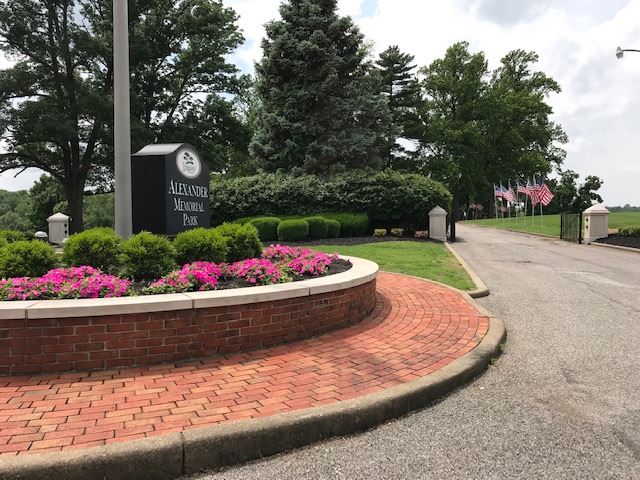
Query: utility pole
{"points": [[121, 114]]}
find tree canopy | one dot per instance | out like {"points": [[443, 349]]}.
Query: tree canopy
{"points": [[320, 106]]}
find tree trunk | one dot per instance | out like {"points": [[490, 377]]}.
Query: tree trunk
{"points": [[74, 194], [454, 217]]}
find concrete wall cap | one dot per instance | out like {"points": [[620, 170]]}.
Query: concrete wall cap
{"points": [[58, 217], [598, 209], [438, 211]]}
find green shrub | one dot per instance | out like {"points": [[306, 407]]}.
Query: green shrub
{"points": [[26, 259], [397, 232], [146, 256], [317, 227], [267, 227], [96, 247], [293, 230], [242, 241], [629, 231], [380, 232], [333, 229], [391, 199], [10, 236], [351, 224], [200, 244]]}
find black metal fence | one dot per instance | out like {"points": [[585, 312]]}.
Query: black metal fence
{"points": [[571, 227]]}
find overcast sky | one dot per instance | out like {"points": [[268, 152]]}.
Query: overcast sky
{"points": [[599, 106]]}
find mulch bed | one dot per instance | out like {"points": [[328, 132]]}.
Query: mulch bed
{"points": [[621, 241]]}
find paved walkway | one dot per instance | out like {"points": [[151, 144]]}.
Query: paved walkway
{"points": [[563, 402], [416, 328]]}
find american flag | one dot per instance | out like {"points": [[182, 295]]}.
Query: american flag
{"points": [[508, 194], [534, 193], [545, 195], [524, 188], [498, 192]]}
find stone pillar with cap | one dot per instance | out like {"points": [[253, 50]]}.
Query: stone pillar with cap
{"points": [[596, 223], [58, 228], [438, 224]]}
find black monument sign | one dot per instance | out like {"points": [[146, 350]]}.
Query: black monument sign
{"points": [[170, 189]]}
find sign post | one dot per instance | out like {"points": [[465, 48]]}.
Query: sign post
{"points": [[121, 117], [170, 189]]}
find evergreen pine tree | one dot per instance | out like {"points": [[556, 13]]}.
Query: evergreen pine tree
{"points": [[401, 87], [320, 106]]}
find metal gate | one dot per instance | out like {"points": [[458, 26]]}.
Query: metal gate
{"points": [[571, 227]]}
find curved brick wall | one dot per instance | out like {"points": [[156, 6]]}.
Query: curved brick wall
{"points": [[57, 338]]}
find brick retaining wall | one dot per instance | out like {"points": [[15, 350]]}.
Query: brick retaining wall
{"points": [[130, 340]]}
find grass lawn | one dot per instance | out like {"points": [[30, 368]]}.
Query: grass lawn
{"points": [[420, 259], [550, 224]]}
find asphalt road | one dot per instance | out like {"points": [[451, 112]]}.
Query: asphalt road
{"points": [[563, 402]]}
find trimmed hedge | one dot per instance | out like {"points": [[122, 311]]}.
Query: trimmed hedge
{"points": [[318, 228], [146, 256], [96, 247], [293, 230], [200, 244], [333, 229], [242, 241], [351, 224], [267, 227], [26, 259], [391, 199]]}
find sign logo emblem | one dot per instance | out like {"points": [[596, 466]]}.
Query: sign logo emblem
{"points": [[188, 164]]}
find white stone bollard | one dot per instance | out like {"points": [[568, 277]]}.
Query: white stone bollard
{"points": [[58, 228], [438, 224], [596, 223]]}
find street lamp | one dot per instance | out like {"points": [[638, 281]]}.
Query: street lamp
{"points": [[620, 51], [121, 118]]}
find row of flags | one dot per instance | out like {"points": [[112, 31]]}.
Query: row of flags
{"points": [[539, 193]]}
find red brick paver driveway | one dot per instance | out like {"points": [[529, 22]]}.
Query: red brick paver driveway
{"points": [[415, 329]]}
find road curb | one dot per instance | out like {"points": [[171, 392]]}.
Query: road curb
{"points": [[615, 247], [169, 456], [481, 289]]}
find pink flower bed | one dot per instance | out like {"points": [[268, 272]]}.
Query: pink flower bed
{"points": [[74, 282], [197, 276], [277, 265]]}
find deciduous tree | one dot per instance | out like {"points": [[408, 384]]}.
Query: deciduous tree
{"points": [[56, 100]]}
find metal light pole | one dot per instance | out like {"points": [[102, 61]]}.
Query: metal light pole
{"points": [[620, 51], [121, 114]]}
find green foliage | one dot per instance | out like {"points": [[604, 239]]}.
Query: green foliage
{"points": [[11, 236], [267, 227], [333, 229], [402, 90], [26, 259], [571, 196], [99, 210], [242, 241], [317, 227], [351, 224], [389, 198], [200, 244], [293, 230], [629, 231], [146, 256], [397, 232], [313, 77], [46, 193], [96, 247], [57, 107]]}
